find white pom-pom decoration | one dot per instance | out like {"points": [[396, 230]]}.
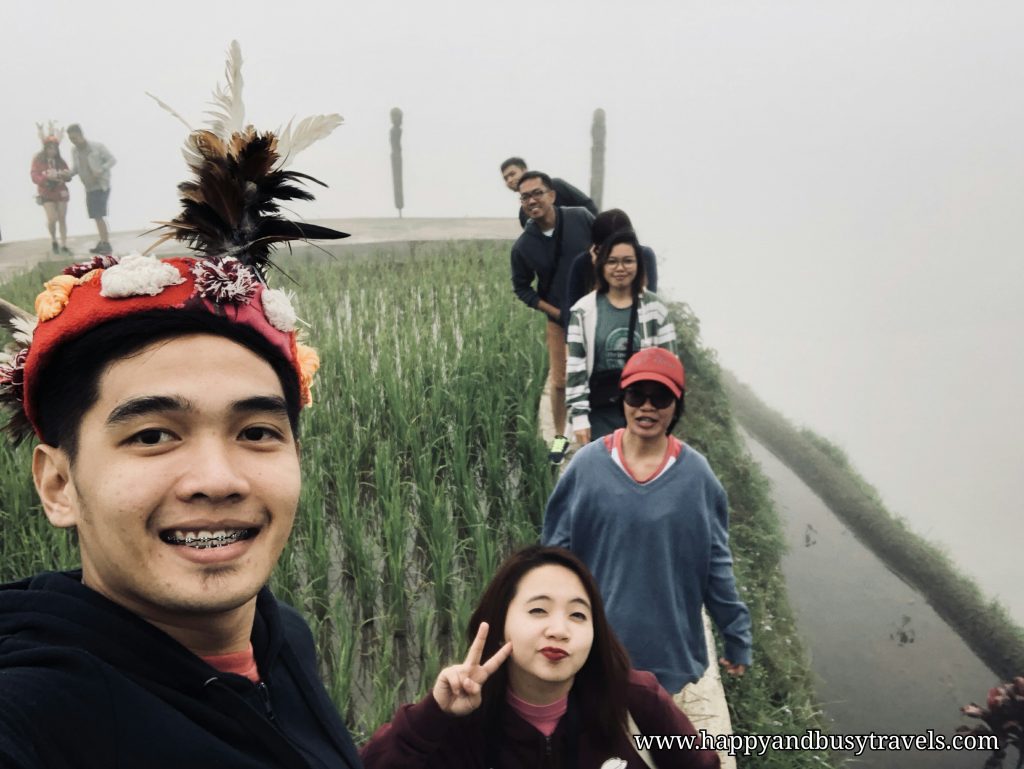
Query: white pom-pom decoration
{"points": [[137, 275], [277, 306]]}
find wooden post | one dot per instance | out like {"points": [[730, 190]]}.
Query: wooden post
{"points": [[396, 159], [597, 133]]}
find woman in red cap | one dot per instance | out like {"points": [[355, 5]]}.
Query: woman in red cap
{"points": [[647, 515]]}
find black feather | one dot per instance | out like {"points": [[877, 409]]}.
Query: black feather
{"points": [[231, 208]]}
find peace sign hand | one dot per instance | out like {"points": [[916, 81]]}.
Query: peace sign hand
{"points": [[458, 687]]}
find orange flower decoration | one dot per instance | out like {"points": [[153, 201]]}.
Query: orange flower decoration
{"points": [[309, 362], [52, 301], [91, 275]]}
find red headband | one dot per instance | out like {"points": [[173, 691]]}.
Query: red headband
{"points": [[92, 293]]}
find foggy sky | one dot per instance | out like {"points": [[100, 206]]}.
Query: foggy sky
{"points": [[837, 188]]}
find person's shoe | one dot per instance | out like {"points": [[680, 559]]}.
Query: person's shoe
{"points": [[558, 449], [101, 248], [65, 251], [55, 247]]}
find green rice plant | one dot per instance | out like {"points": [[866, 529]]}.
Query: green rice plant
{"points": [[338, 656], [423, 468], [433, 655], [441, 559], [386, 686], [396, 527]]}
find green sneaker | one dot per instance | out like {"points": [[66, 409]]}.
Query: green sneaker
{"points": [[558, 449]]}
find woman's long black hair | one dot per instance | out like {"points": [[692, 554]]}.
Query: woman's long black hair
{"points": [[598, 695]]}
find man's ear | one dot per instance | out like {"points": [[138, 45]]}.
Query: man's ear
{"points": [[51, 471]]}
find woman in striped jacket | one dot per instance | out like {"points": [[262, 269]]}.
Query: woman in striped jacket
{"points": [[599, 340]]}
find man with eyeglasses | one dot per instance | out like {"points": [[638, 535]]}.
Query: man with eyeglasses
{"points": [[647, 515], [543, 254], [565, 194]]}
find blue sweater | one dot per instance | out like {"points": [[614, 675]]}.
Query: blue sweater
{"points": [[659, 551]]}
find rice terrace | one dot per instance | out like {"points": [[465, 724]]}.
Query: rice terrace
{"points": [[423, 468]]}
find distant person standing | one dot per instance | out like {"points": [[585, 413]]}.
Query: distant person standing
{"points": [[92, 162], [50, 174], [565, 194], [543, 253]]}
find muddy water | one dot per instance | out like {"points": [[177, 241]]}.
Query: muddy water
{"points": [[884, 660]]}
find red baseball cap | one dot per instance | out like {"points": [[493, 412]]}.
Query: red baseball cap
{"points": [[655, 364]]}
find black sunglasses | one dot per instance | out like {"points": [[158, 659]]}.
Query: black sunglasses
{"points": [[660, 396]]}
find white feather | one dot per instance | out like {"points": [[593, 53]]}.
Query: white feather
{"points": [[15, 318], [228, 117], [309, 131], [22, 328], [170, 109]]}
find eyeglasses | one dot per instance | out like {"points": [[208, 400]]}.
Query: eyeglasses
{"points": [[659, 396], [629, 261], [533, 194]]}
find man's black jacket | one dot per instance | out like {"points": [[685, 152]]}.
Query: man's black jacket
{"points": [[86, 683]]}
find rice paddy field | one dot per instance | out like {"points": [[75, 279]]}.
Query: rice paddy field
{"points": [[423, 468]]}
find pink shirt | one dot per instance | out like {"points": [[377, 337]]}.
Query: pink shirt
{"points": [[543, 718], [613, 443], [240, 663]]}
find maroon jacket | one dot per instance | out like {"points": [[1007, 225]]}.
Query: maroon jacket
{"points": [[422, 736]]}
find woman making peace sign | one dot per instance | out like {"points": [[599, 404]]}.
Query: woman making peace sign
{"points": [[545, 684]]}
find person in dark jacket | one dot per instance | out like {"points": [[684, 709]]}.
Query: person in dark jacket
{"points": [[566, 195], [88, 683], [543, 254], [165, 396], [545, 684]]}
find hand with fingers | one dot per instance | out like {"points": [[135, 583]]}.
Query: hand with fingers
{"points": [[458, 687]]}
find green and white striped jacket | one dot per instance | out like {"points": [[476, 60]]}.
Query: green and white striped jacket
{"points": [[653, 324]]}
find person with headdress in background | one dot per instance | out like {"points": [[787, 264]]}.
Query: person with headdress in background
{"points": [[50, 174], [165, 395]]}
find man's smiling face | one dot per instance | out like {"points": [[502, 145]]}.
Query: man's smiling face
{"points": [[537, 200], [186, 480]]}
